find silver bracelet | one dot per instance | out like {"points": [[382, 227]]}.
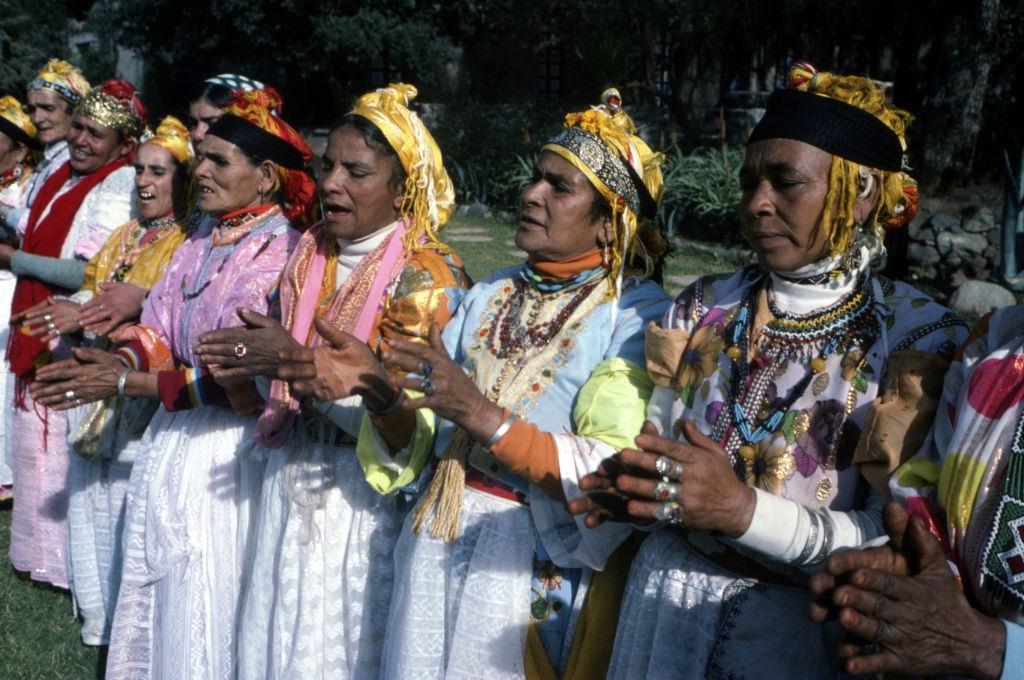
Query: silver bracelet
{"points": [[501, 431], [390, 408], [122, 381]]}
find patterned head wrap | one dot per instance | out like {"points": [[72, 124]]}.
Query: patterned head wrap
{"points": [[602, 143], [236, 82], [62, 78], [15, 123], [848, 117], [249, 122], [429, 194], [172, 135], [115, 105]]}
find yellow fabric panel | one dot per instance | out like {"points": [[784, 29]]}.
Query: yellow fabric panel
{"points": [[383, 479], [612, 405], [592, 642], [148, 267], [958, 487]]}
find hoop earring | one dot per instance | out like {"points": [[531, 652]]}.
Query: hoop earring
{"points": [[869, 183]]}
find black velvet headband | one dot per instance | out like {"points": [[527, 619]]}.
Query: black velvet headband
{"points": [[256, 142], [17, 134], [831, 125]]}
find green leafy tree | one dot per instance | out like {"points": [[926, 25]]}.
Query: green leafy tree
{"points": [[31, 32]]}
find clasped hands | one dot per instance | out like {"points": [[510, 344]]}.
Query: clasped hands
{"points": [[686, 483], [346, 366], [113, 305]]}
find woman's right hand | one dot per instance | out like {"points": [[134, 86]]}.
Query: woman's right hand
{"points": [[345, 367], [92, 375]]}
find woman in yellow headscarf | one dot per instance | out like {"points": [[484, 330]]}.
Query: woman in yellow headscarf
{"points": [[317, 600], [105, 436], [18, 148], [537, 378]]}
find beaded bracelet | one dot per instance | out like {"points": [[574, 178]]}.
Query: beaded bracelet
{"points": [[501, 431], [122, 381]]}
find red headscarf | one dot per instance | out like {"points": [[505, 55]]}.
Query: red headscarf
{"points": [[261, 108]]}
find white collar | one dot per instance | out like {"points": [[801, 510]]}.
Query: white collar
{"points": [[803, 298], [351, 253], [52, 151]]}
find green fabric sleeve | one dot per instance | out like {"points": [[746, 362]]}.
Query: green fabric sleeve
{"points": [[386, 473], [612, 405], [56, 271]]}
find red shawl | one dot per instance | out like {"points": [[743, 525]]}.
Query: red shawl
{"points": [[46, 237]]}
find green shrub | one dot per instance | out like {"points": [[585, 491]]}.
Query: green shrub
{"points": [[486, 145], [702, 193]]}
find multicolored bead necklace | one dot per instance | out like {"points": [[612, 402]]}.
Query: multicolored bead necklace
{"points": [[849, 322], [549, 285]]}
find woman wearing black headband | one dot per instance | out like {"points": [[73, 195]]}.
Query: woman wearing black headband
{"points": [[188, 519], [787, 392]]}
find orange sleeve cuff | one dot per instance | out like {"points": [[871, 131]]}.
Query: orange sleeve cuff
{"points": [[529, 452]]}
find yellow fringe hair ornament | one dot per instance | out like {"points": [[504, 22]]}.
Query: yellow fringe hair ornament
{"points": [[429, 194], [638, 243], [898, 194]]}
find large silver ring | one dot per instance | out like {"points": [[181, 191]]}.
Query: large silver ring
{"points": [[882, 633], [669, 468], [69, 395], [47, 317], [426, 368], [666, 491], [51, 326], [668, 512], [427, 386], [241, 350]]}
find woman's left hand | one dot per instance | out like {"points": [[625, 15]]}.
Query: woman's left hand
{"points": [[446, 388], [92, 375], [253, 350], [115, 304], [705, 491], [51, 318]]}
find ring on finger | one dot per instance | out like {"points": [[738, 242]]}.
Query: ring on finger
{"points": [[51, 326], [666, 491], [669, 468], [69, 395], [425, 368], [668, 512], [47, 317], [427, 386], [241, 350]]}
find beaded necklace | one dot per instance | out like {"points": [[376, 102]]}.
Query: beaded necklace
{"points": [[142, 235], [549, 285], [508, 335], [848, 322]]}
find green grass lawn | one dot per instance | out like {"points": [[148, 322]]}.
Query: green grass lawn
{"points": [[39, 636], [498, 251]]}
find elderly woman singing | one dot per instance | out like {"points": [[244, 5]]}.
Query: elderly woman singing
{"points": [[317, 603], [537, 377], [195, 482]]}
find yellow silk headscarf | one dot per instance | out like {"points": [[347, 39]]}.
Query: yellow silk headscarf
{"points": [[62, 78], [429, 194], [609, 125], [172, 135], [11, 109]]}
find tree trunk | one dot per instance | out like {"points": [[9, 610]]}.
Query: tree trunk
{"points": [[960, 61]]}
